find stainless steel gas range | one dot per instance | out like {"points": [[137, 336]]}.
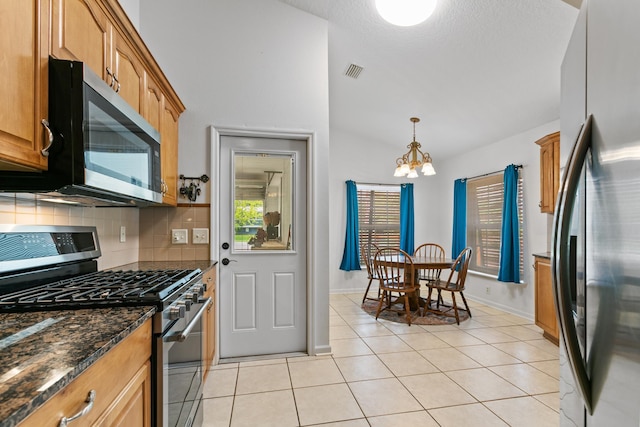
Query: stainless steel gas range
{"points": [[55, 267]]}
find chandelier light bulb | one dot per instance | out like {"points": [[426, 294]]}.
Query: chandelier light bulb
{"points": [[427, 169], [405, 13]]}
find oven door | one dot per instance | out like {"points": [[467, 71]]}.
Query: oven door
{"points": [[180, 375]]}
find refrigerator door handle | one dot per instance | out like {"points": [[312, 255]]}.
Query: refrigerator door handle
{"points": [[560, 262]]}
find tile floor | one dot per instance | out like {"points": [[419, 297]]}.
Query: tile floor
{"points": [[493, 370]]}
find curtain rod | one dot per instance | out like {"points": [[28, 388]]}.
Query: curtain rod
{"points": [[374, 183], [490, 173]]}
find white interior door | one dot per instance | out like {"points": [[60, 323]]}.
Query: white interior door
{"points": [[263, 281]]}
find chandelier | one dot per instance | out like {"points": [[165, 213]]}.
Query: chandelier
{"points": [[414, 158]]}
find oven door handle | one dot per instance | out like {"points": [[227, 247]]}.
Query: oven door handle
{"points": [[181, 336]]}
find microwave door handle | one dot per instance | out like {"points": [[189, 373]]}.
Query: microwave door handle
{"points": [[181, 336], [560, 262], [45, 150]]}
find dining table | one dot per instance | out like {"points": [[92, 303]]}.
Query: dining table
{"points": [[423, 263]]}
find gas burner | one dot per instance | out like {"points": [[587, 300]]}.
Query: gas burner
{"points": [[102, 288]]}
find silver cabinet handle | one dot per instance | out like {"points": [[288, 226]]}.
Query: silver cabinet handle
{"points": [[116, 83], [91, 397], [560, 263], [181, 336], [45, 150], [110, 74]]}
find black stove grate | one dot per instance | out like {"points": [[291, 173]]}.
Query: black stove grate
{"points": [[103, 288]]}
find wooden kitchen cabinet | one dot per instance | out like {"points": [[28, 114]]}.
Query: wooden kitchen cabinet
{"points": [[98, 33], [122, 382], [163, 117], [153, 99], [209, 328], [549, 171], [24, 91], [169, 152], [129, 74], [83, 31], [546, 317]]}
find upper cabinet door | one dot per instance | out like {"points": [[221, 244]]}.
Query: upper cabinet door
{"points": [[25, 83], [152, 103], [128, 72], [169, 153], [82, 32], [549, 171]]}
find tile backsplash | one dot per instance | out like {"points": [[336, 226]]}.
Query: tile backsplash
{"points": [[155, 232], [29, 209], [148, 230]]}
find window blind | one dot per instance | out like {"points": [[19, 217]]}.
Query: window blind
{"points": [[484, 222], [379, 217]]}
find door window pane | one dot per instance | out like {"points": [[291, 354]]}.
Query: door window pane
{"points": [[263, 201]]}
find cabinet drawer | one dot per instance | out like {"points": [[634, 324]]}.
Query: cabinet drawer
{"points": [[108, 376]]}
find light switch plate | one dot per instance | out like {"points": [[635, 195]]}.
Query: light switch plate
{"points": [[200, 236], [123, 234], [179, 236]]}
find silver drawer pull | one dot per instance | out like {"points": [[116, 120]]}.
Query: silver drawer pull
{"points": [[64, 421]]}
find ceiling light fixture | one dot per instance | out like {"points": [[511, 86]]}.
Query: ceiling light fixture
{"points": [[414, 158], [405, 13]]}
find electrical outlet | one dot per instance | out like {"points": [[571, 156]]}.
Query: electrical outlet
{"points": [[123, 234], [200, 236], [179, 236], [487, 290]]}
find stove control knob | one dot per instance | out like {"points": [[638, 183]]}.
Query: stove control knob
{"points": [[187, 301], [177, 311], [198, 291], [192, 295]]}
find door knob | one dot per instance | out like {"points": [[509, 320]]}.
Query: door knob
{"points": [[226, 261]]}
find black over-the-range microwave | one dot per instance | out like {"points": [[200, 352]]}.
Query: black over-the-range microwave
{"points": [[102, 151]]}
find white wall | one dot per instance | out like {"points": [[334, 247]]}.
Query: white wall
{"points": [[132, 8], [517, 149], [255, 64], [433, 197], [369, 161]]}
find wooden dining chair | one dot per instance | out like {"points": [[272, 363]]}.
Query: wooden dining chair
{"points": [[368, 252], [430, 250], [454, 284], [395, 271]]}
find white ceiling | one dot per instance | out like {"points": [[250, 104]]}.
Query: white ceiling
{"points": [[476, 72]]}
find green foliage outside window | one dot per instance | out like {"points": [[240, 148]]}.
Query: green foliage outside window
{"points": [[248, 212]]}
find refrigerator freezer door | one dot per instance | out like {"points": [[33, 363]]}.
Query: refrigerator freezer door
{"points": [[613, 212], [573, 114]]}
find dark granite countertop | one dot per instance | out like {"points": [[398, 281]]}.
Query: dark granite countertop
{"points": [[42, 352], [164, 265], [543, 255]]}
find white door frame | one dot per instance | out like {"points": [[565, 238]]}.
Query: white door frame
{"points": [[216, 132]]}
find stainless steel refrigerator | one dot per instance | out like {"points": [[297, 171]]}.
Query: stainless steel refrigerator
{"points": [[596, 244]]}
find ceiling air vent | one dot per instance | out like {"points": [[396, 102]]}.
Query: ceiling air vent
{"points": [[353, 71]]}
